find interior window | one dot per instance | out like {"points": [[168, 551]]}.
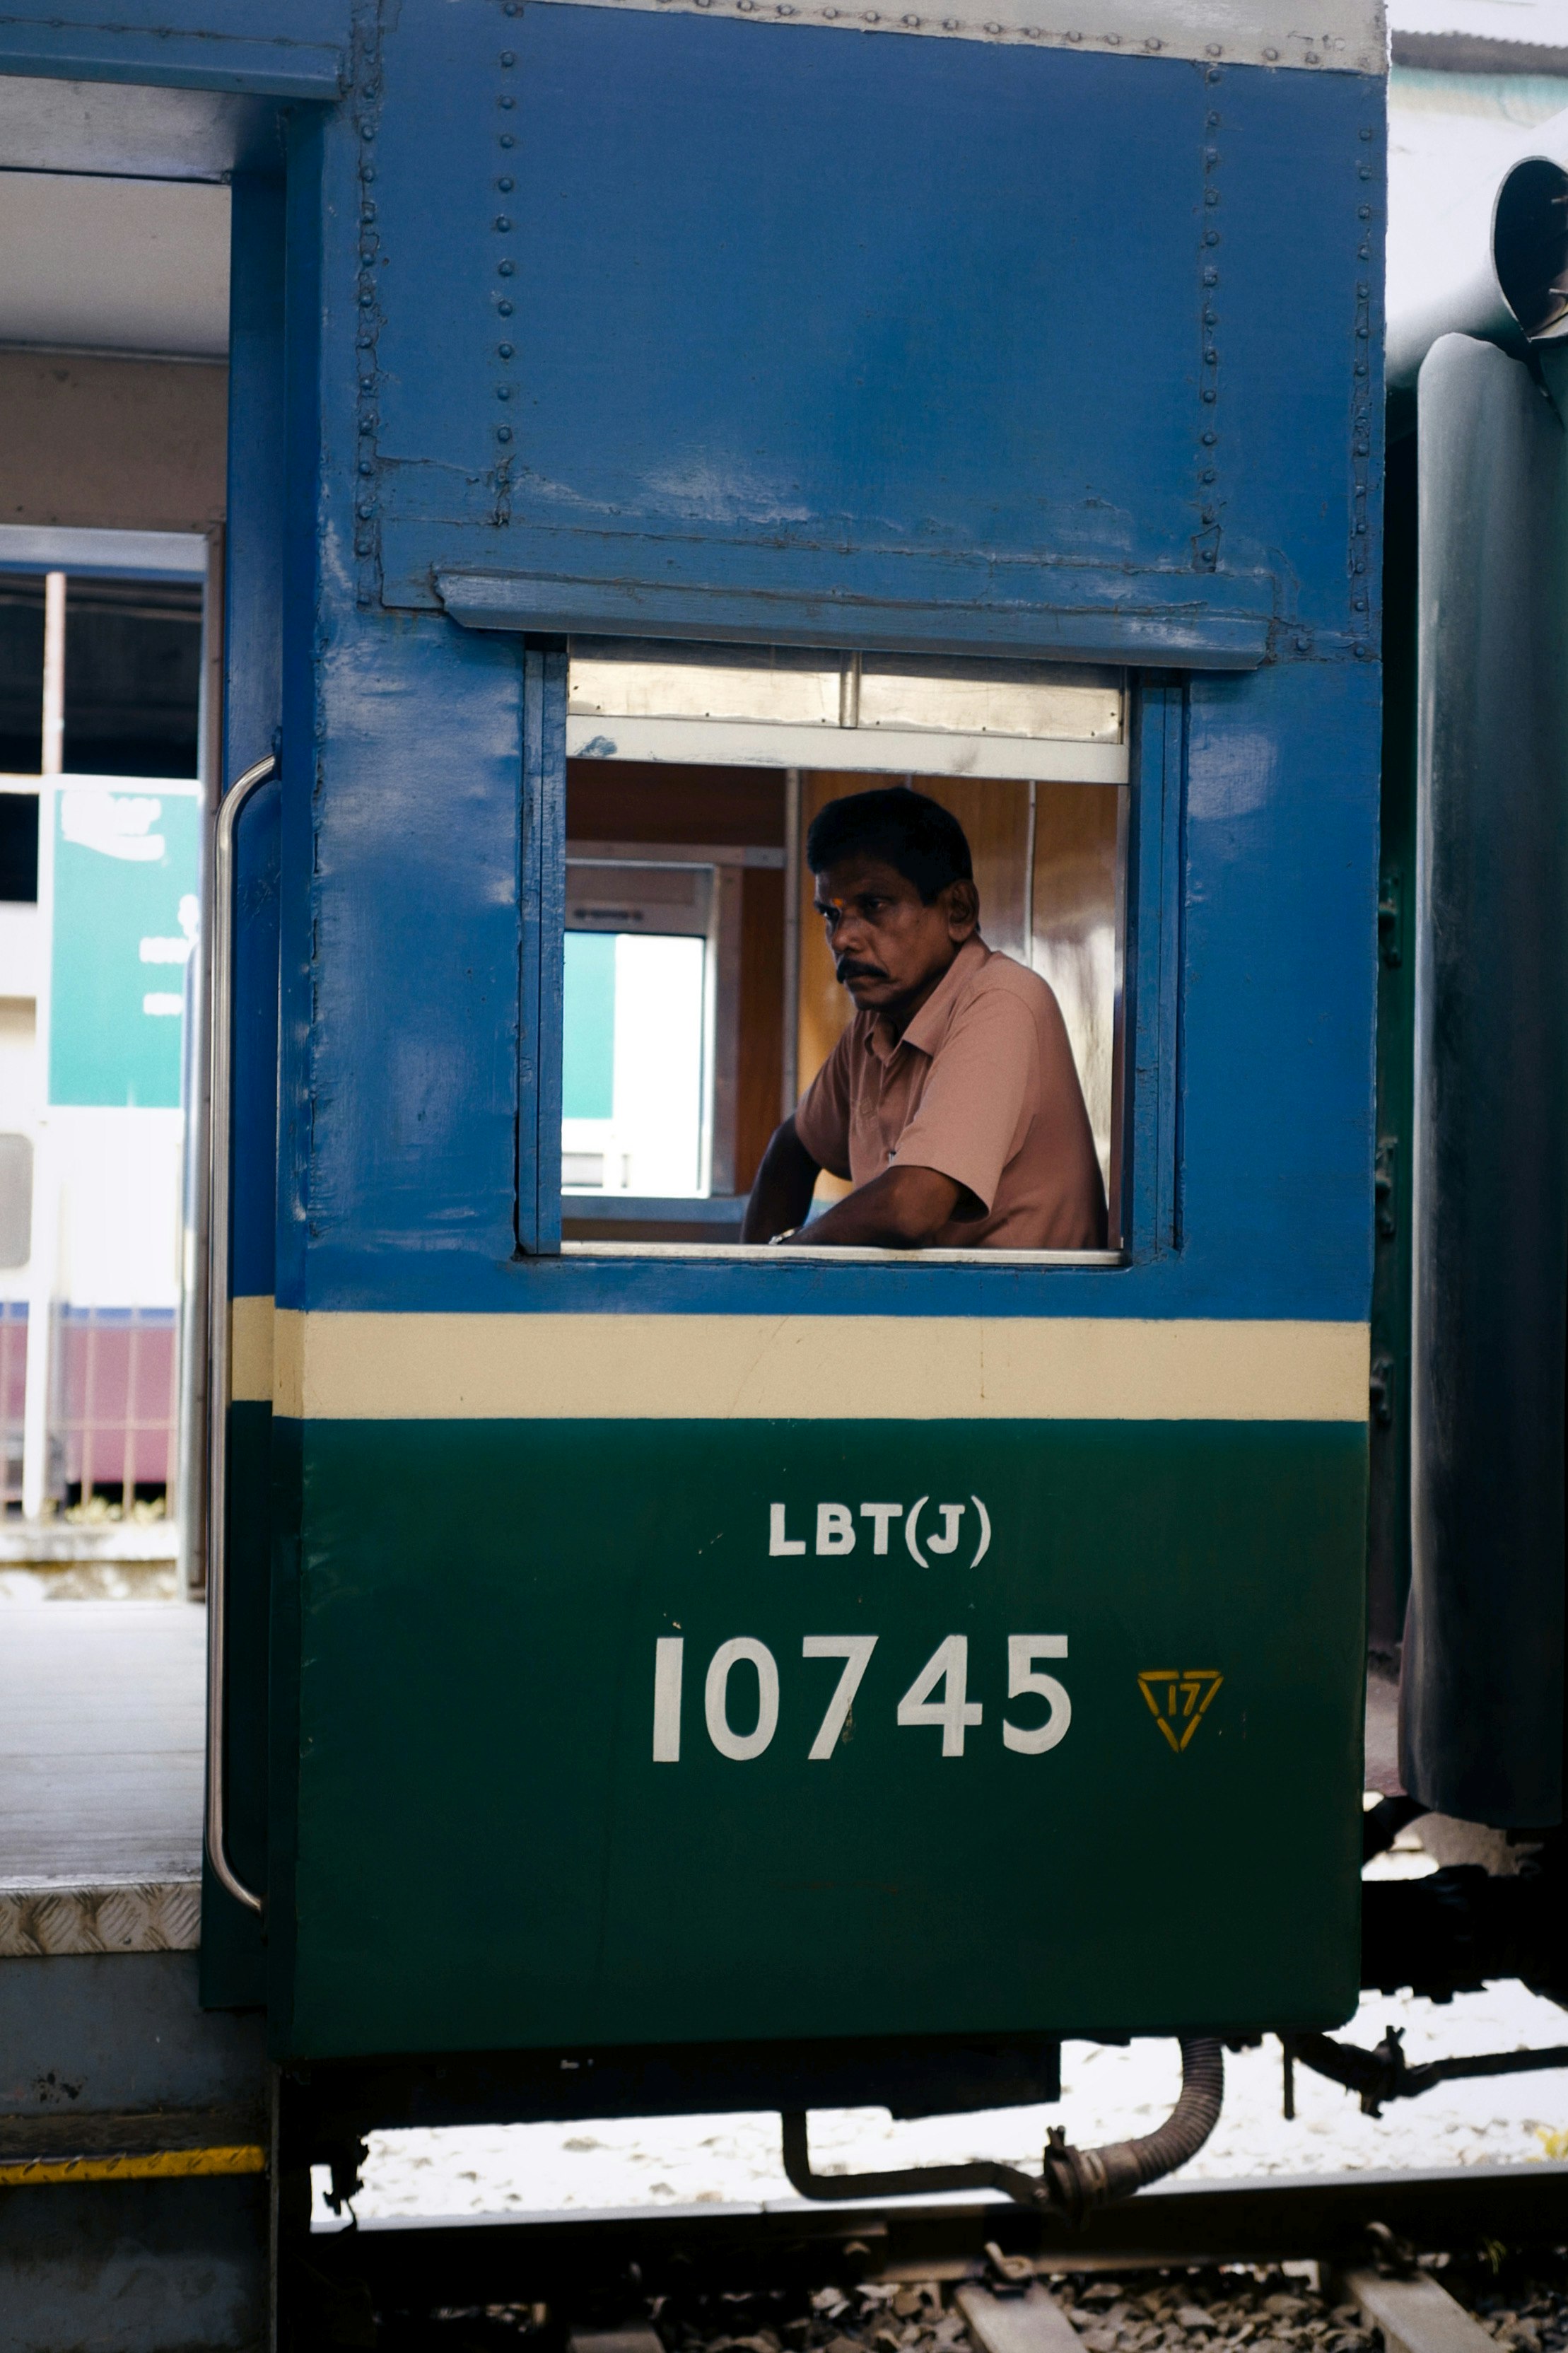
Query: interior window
{"points": [[698, 992], [637, 1118]]}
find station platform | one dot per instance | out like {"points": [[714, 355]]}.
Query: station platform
{"points": [[101, 1730], [133, 2123]]}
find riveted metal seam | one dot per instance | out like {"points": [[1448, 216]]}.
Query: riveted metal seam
{"points": [[1206, 533], [365, 60], [500, 300], [1358, 45], [1357, 562]]}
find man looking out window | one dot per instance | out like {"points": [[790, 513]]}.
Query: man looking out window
{"points": [[952, 1102]]}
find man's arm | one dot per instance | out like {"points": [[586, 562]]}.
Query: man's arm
{"points": [[904, 1208], [780, 1192]]}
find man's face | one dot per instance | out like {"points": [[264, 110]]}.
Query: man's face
{"points": [[890, 949]]}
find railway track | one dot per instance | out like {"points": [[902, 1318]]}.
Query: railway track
{"points": [[794, 2279]]}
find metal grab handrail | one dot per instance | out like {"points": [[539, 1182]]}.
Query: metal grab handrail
{"points": [[220, 1309]]}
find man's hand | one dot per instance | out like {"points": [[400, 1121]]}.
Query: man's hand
{"points": [[904, 1208], [780, 1192]]}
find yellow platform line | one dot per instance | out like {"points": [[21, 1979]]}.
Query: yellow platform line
{"points": [[156, 2165]]}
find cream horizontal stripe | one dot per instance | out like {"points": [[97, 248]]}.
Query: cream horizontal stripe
{"points": [[250, 1366], [440, 1367]]}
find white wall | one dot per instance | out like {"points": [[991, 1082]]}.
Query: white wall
{"points": [[119, 1179], [116, 1174]]}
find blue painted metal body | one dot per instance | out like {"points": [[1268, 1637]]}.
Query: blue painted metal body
{"points": [[253, 703], [902, 342], [895, 401]]}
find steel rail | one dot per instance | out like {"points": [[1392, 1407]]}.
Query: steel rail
{"points": [[473, 2258], [220, 1312]]}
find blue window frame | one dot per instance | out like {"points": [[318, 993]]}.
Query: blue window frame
{"points": [[1146, 1212]]}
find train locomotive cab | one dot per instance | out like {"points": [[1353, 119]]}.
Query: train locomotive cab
{"points": [[639, 1644]]}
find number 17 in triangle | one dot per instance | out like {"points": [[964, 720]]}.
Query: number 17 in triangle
{"points": [[1178, 1703]]}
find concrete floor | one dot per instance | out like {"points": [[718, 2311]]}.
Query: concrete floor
{"points": [[101, 1717]]}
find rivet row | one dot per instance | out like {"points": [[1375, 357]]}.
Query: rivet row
{"points": [[1362, 640], [1149, 44], [372, 259], [500, 301], [1206, 538]]}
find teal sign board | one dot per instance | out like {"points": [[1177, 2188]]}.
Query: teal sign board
{"points": [[693, 1731], [123, 909], [588, 1027]]}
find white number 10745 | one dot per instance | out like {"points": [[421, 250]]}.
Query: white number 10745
{"points": [[938, 1697]]}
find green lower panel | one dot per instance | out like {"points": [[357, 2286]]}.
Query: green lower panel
{"points": [[488, 1852]]}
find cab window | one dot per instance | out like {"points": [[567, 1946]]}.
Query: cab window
{"points": [[700, 996]]}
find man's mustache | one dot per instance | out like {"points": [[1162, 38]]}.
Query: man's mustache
{"points": [[848, 970]]}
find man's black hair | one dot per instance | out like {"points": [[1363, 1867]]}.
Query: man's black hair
{"points": [[915, 835]]}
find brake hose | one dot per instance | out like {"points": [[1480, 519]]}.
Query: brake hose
{"points": [[1072, 2181]]}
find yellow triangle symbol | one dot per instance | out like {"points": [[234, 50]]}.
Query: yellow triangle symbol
{"points": [[1179, 1702]]}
